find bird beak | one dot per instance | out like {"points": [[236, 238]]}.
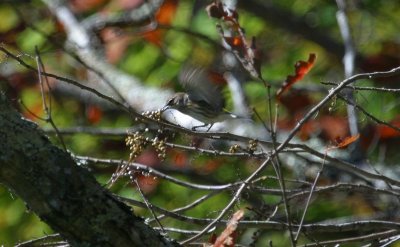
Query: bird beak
{"points": [[167, 106], [164, 108]]}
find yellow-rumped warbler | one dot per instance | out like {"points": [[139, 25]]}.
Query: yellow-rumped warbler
{"points": [[203, 99]]}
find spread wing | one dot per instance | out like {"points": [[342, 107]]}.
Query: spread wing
{"points": [[200, 88]]}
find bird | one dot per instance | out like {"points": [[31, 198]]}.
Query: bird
{"points": [[202, 100]]}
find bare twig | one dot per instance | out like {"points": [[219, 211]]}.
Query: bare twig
{"points": [[156, 173], [48, 239], [377, 120], [148, 204], [231, 203], [334, 162], [331, 94], [354, 188], [46, 109], [278, 170], [136, 16], [372, 236], [378, 89], [308, 200], [190, 205]]}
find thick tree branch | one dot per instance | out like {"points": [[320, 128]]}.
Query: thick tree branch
{"points": [[64, 195]]}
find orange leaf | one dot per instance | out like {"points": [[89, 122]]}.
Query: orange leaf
{"points": [[302, 68], [235, 42], [180, 160], [228, 236], [148, 183], [164, 16], [115, 43], [343, 143]]}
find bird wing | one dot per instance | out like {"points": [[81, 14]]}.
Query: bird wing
{"points": [[200, 88]]}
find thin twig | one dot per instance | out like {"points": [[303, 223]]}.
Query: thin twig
{"points": [[350, 168], [331, 94], [176, 230], [277, 167], [332, 161], [47, 239], [70, 81], [219, 217], [353, 188], [261, 120], [369, 237], [372, 117], [390, 241], [231, 203], [315, 228], [159, 174], [148, 204], [30, 112], [190, 205], [379, 89], [309, 200], [47, 109]]}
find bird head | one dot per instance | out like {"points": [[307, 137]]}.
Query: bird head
{"points": [[177, 101]]}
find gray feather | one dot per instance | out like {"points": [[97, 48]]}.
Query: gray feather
{"points": [[200, 88]]}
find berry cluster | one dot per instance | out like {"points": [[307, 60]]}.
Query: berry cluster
{"points": [[156, 115]]}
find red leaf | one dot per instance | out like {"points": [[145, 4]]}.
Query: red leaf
{"points": [[296, 102], [386, 132], [94, 114], [302, 68], [248, 55], [212, 238], [228, 236], [255, 55]]}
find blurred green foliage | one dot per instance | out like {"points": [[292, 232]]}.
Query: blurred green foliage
{"points": [[17, 224]]}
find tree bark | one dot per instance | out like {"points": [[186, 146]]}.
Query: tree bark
{"points": [[64, 195]]}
